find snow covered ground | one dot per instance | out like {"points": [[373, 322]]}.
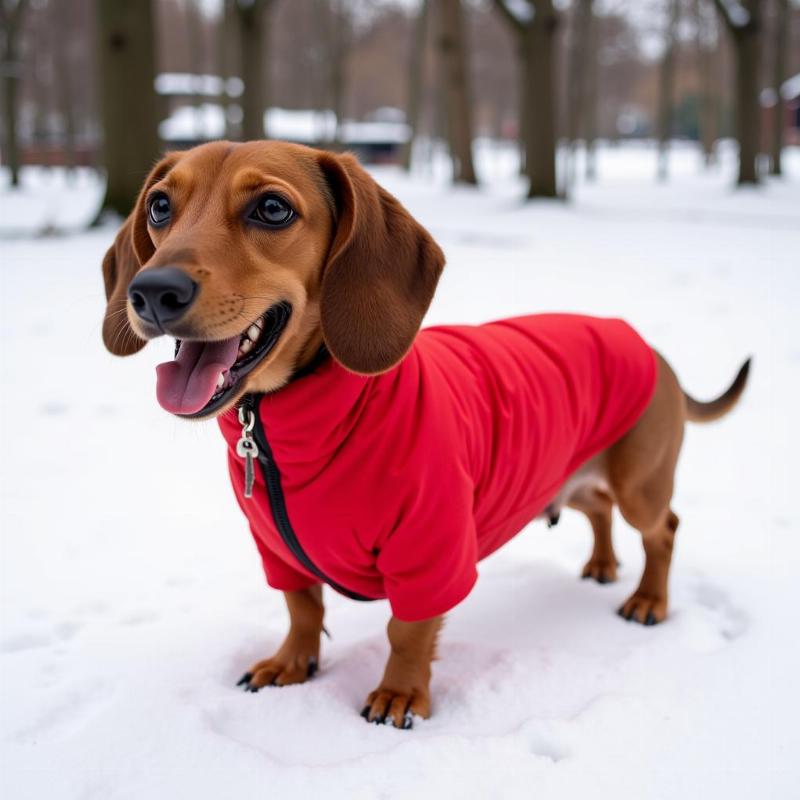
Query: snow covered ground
{"points": [[132, 596]]}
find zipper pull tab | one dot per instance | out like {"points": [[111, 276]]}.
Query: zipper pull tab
{"points": [[247, 449]]}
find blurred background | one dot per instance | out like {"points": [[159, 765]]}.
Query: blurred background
{"points": [[108, 84]]}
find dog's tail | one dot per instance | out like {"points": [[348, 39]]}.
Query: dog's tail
{"points": [[720, 406]]}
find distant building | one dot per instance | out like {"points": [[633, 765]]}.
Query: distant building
{"points": [[377, 139]]}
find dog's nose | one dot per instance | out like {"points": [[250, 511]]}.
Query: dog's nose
{"points": [[162, 295]]}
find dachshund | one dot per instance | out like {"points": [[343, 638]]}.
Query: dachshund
{"points": [[366, 454]]}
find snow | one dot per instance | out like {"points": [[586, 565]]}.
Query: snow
{"points": [[188, 83], [193, 123], [132, 595], [738, 15], [790, 89]]}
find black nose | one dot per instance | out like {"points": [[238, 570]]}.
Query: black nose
{"points": [[162, 295]]}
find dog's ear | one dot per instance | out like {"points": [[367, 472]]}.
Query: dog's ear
{"points": [[132, 248], [119, 266], [380, 275]]}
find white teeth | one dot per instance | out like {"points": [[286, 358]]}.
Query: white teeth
{"points": [[221, 380], [253, 332], [245, 347]]}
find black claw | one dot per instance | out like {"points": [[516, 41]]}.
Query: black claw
{"points": [[312, 666], [585, 577], [365, 712], [244, 679], [651, 618], [621, 612], [603, 579], [251, 688], [408, 721]]}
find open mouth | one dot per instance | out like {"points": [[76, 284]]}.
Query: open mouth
{"points": [[205, 375]]}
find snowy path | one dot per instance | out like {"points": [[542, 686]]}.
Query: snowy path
{"points": [[132, 596]]}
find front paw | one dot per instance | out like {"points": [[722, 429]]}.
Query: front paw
{"points": [[396, 706], [279, 671], [643, 608]]}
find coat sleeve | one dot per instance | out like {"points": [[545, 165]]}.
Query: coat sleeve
{"points": [[428, 562], [279, 574]]}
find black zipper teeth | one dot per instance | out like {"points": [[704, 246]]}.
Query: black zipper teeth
{"points": [[277, 502]]}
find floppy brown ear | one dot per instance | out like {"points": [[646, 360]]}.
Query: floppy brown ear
{"points": [[381, 272], [132, 248], [119, 266]]}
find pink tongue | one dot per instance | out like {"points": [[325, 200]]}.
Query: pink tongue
{"points": [[186, 384]]}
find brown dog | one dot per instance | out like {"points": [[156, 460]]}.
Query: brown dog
{"points": [[264, 223]]}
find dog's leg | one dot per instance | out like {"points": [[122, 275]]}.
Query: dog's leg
{"points": [[648, 604], [297, 658], [641, 471], [602, 564], [404, 690]]}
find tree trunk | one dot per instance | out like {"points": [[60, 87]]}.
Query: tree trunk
{"points": [[128, 99], [708, 101], [224, 45], [194, 37], [65, 99], [415, 71], [746, 36], [253, 19], [452, 48], [780, 48], [540, 150], [339, 45], [590, 110], [748, 108], [665, 90], [11, 68], [524, 113], [579, 54]]}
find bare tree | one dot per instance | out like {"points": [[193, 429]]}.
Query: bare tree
{"points": [[450, 37], [535, 33], [580, 56], [743, 19], [129, 106], [222, 48], [415, 70], [708, 95], [253, 17], [194, 35], [65, 80], [780, 49], [340, 36], [590, 100], [11, 14], [666, 82]]}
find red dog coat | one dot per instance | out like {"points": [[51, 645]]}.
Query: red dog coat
{"points": [[396, 485]]}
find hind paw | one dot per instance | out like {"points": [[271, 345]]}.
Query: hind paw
{"points": [[600, 570]]}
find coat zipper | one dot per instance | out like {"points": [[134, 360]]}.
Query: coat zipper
{"points": [[253, 445]]}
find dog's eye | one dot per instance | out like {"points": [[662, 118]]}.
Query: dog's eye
{"points": [[272, 210], [159, 209]]}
